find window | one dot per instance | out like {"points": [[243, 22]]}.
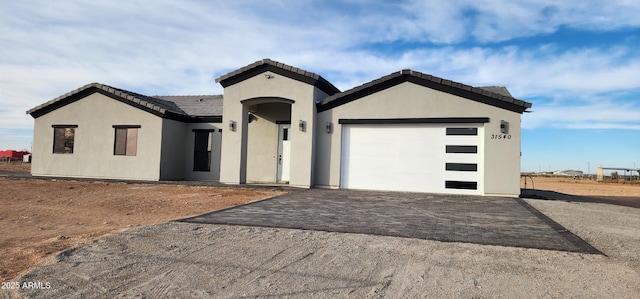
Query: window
{"points": [[461, 149], [126, 140], [461, 167], [63, 137], [461, 185], [462, 131], [202, 150]]}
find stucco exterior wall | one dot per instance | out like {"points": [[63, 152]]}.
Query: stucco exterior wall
{"points": [[409, 100], [189, 144], [174, 135], [234, 147], [93, 155]]}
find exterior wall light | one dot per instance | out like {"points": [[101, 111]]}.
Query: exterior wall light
{"points": [[252, 117], [268, 76], [504, 127], [328, 127], [302, 125], [232, 126]]}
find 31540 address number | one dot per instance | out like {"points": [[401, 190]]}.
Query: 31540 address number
{"points": [[501, 136]]}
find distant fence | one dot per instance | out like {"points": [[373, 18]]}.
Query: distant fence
{"points": [[619, 175], [629, 178]]}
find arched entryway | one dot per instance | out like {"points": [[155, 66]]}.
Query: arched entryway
{"points": [[268, 139]]}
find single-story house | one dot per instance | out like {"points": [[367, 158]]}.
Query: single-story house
{"points": [[407, 131]]}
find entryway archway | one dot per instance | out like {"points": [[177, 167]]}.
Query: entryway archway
{"points": [[268, 139]]}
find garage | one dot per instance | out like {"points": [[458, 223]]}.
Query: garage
{"points": [[414, 157]]}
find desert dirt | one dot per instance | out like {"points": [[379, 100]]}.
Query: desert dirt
{"points": [[583, 187], [195, 260], [40, 217]]}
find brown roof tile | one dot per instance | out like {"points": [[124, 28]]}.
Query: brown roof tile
{"points": [[267, 64], [497, 96], [178, 107]]}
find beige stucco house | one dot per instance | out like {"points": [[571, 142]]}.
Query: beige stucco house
{"points": [[275, 123]]}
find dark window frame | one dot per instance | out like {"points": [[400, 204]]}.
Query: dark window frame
{"points": [[121, 145], [466, 185], [462, 131], [461, 149], [66, 145], [202, 150], [473, 167]]}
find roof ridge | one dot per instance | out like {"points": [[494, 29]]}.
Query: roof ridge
{"points": [[440, 81], [282, 69], [189, 95], [137, 98], [144, 100], [272, 62]]}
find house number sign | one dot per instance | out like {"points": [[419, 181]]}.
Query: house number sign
{"points": [[500, 136]]}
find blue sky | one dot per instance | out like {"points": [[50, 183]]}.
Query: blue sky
{"points": [[578, 62]]}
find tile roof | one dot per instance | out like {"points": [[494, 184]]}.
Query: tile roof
{"points": [[202, 105], [267, 64], [175, 107], [493, 95], [502, 90]]}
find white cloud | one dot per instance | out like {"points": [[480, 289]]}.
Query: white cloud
{"points": [[179, 47], [499, 20], [593, 115]]}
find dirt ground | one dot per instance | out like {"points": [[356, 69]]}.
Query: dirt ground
{"points": [[42, 217], [583, 187]]}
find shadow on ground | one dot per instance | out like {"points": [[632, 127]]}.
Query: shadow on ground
{"points": [[633, 202]]}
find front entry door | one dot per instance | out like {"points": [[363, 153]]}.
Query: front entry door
{"points": [[284, 152]]}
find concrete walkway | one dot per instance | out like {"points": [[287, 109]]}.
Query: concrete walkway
{"points": [[468, 219]]}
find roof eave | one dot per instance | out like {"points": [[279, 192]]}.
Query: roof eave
{"points": [[268, 65], [92, 88], [433, 82]]}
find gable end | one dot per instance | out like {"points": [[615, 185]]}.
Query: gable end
{"points": [[465, 91], [156, 106], [83, 93], [268, 65]]}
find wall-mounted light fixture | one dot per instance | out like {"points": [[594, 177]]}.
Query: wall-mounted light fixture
{"points": [[328, 127], [268, 76], [252, 117], [302, 125], [232, 126], [504, 127]]}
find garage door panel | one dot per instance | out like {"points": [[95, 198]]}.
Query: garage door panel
{"points": [[408, 157], [461, 176], [462, 158]]}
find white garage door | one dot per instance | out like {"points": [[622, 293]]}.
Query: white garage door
{"points": [[438, 158]]}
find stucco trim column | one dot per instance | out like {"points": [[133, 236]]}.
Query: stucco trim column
{"points": [[302, 146], [233, 155]]}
